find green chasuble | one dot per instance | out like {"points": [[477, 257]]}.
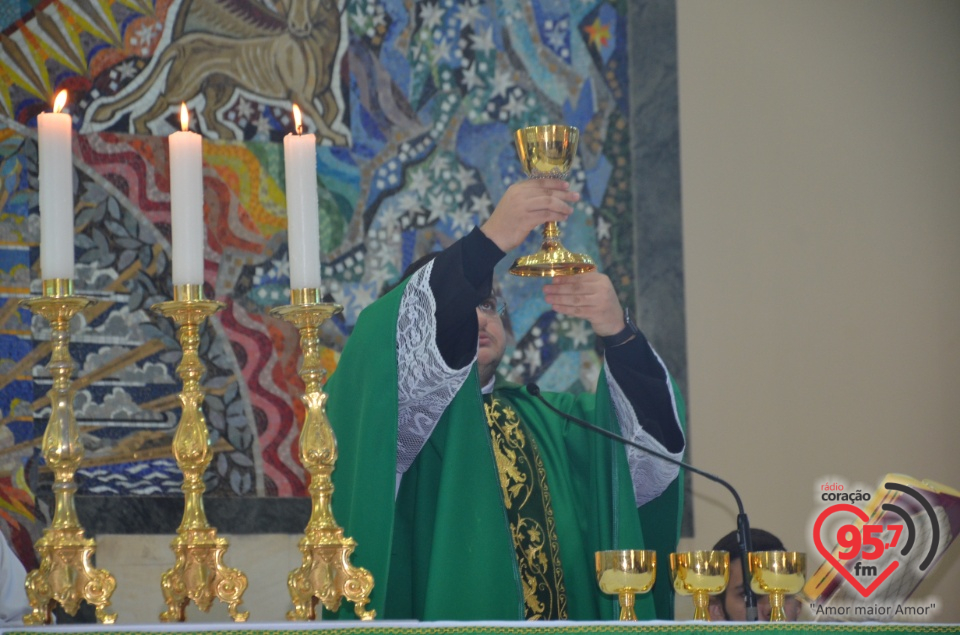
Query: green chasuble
{"points": [[442, 549]]}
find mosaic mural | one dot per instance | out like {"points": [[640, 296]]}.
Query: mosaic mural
{"points": [[413, 103]]}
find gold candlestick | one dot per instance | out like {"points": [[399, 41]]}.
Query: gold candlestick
{"points": [[326, 573], [199, 573], [65, 575]]}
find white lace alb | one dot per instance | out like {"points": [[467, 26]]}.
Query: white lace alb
{"points": [[426, 385], [650, 475]]}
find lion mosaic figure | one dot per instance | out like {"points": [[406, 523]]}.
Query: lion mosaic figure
{"points": [[287, 53]]}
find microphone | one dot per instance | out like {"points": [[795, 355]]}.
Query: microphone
{"points": [[743, 524]]}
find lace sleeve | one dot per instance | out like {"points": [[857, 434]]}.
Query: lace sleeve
{"points": [[650, 475], [426, 384]]}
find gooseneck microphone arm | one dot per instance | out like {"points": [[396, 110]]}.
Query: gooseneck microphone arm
{"points": [[743, 524]]}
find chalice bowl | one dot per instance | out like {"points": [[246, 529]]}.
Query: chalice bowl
{"points": [[624, 573], [700, 574], [777, 574], [547, 152]]}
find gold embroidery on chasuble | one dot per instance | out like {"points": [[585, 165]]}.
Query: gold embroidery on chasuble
{"points": [[526, 497]]}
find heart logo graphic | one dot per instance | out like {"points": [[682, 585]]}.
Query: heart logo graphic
{"points": [[842, 570]]}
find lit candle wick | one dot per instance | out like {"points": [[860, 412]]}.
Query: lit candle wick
{"points": [[60, 101], [184, 117], [296, 119]]}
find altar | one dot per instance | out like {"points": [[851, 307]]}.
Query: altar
{"points": [[508, 628]]}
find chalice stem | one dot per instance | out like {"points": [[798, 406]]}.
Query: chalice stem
{"points": [[701, 602], [776, 607], [627, 611]]}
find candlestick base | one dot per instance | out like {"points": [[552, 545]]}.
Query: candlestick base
{"points": [[325, 574], [65, 575], [199, 573]]}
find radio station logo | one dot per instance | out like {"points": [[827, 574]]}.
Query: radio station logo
{"points": [[878, 547], [870, 541]]}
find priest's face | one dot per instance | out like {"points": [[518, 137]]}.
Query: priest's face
{"points": [[492, 340]]}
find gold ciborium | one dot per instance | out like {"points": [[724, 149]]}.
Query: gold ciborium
{"points": [[700, 574], [624, 573], [777, 574], [547, 152]]}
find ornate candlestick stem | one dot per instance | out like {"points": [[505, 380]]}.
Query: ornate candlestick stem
{"points": [[65, 575], [199, 573], [326, 573]]}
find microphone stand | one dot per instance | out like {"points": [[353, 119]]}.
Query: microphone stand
{"points": [[743, 524]]}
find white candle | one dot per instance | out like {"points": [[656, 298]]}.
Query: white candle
{"points": [[55, 131], [186, 203], [303, 210]]}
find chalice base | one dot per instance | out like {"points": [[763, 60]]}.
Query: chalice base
{"points": [[553, 259], [200, 575], [66, 577], [327, 576]]}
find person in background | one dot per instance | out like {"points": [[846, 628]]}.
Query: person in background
{"points": [[13, 595]]}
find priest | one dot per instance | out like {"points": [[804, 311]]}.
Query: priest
{"points": [[469, 499]]}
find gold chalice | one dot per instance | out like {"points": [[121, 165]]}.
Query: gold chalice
{"points": [[777, 573], [700, 574], [547, 152], [626, 572]]}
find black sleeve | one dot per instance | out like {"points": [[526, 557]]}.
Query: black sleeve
{"points": [[462, 278], [643, 380]]}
